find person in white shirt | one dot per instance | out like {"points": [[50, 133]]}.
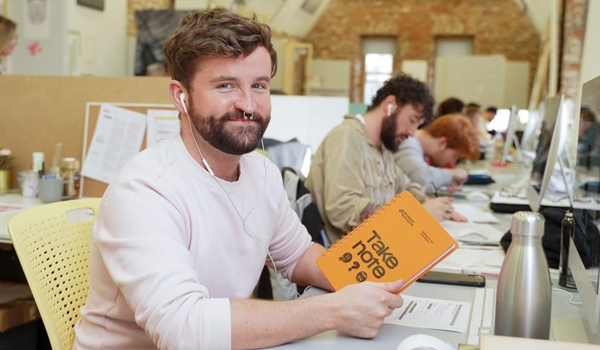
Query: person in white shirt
{"points": [[183, 231], [478, 120], [428, 157]]}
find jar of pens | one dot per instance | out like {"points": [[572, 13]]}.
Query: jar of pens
{"points": [[59, 183]]}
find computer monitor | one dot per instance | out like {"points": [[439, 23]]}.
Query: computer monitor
{"points": [[584, 251], [550, 144], [531, 134], [511, 131]]}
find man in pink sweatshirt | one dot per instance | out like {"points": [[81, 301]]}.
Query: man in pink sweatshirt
{"points": [[185, 229]]}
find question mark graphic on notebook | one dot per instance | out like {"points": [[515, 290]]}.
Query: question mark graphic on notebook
{"points": [[355, 265]]}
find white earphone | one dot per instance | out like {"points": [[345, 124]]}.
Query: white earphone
{"points": [[389, 109], [182, 100]]}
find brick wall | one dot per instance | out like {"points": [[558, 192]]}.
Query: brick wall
{"points": [[134, 5], [497, 26], [573, 37]]}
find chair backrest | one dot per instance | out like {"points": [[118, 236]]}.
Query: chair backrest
{"points": [[54, 253]]}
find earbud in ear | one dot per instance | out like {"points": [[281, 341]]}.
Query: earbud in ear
{"points": [[389, 109], [182, 100]]}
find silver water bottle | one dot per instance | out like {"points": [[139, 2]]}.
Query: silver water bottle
{"points": [[524, 295]]}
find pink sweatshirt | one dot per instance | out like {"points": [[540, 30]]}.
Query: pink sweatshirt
{"points": [[169, 250]]}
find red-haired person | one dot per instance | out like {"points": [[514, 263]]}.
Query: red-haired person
{"points": [[442, 142]]}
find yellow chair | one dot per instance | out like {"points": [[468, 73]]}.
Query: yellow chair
{"points": [[54, 253]]}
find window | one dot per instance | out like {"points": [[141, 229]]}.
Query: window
{"points": [[378, 69], [453, 47], [379, 64]]}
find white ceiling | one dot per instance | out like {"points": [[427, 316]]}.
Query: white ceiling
{"points": [[285, 16]]}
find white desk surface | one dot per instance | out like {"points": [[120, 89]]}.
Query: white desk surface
{"points": [[16, 200], [390, 335]]}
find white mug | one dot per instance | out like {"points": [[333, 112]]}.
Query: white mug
{"points": [[29, 181]]}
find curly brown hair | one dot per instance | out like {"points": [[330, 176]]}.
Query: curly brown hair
{"points": [[214, 33], [408, 91], [459, 133]]}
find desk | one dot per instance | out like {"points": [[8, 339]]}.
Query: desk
{"points": [[390, 335], [16, 200]]}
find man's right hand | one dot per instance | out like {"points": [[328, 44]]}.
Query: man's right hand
{"points": [[359, 309], [440, 208]]}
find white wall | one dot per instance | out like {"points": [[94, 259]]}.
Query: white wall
{"points": [[98, 38], [36, 55], [103, 37], [307, 118], [516, 91], [590, 66], [479, 79], [416, 69], [330, 78]]}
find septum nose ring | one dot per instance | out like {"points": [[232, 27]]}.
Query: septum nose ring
{"points": [[249, 116]]}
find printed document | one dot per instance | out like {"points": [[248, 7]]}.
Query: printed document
{"points": [[118, 138], [429, 313], [162, 124], [474, 214]]}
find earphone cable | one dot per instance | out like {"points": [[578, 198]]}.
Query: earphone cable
{"points": [[246, 228]]}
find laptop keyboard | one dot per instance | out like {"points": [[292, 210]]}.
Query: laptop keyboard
{"points": [[482, 315]]}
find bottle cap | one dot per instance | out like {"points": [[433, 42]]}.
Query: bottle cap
{"points": [[528, 224]]}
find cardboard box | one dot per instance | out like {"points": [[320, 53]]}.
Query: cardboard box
{"points": [[17, 306]]}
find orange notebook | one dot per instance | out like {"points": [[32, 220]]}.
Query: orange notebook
{"points": [[401, 240]]}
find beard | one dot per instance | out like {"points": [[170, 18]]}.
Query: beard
{"points": [[388, 136], [230, 139]]}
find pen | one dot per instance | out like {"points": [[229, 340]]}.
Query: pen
{"points": [[467, 271], [435, 192]]}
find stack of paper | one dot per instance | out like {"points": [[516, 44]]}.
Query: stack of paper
{"points": [[474, 214], [473, 233]]}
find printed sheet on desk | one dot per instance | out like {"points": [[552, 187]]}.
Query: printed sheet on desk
{"points": [[485, 261], [428, 313], [474, 214], [473, 233]]}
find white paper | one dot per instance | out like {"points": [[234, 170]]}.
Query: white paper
{"points": [[485, 261], [118, 138], [474, 214], [429, 313], [162, 124], [473, 233], [36, 21]]}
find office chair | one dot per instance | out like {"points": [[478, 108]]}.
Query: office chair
{"points": [[54, 253]]}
